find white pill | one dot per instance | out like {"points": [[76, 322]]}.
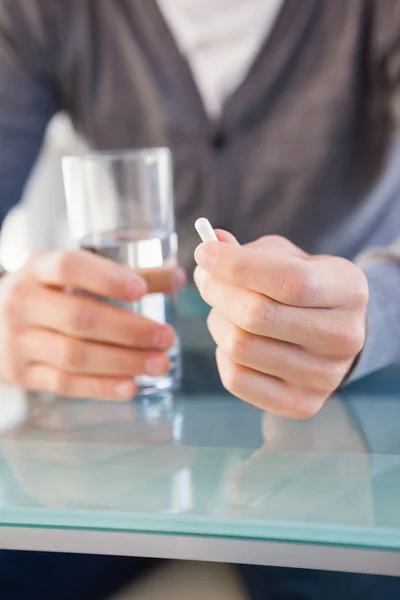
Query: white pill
{"points": [[205, 230]]}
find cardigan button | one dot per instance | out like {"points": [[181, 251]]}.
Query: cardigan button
{"points": [[219, 141]]}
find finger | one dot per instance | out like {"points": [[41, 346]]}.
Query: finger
{"points": [[331, 333], [285, 361], [88, 272], [163, 279], [91, 319], [274, 244], [226, 237], [266, 392], [325, 283], [79, 356], [45, 378]]}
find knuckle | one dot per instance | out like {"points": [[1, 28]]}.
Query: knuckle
{"points": [[14, 366], [19, 372], [230, 377], [325, 378], [271, 243], [81, 317], [62, 383], [275, 241], [211, 318], [297, 286], [211, 322], [204, 287], [10, 307], [239, 345], [348, 341], [305, 406], [100, 389], [356, 281], [361, 292], [63, 265], [72, 354], [269, 240], [258, 314], [308, 409], [208, 287], [12, 300], [356, 340]]}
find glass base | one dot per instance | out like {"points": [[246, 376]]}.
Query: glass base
{"points": [[148, 386]]}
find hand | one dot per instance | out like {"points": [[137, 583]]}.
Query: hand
{"points": [[288, 326], [76, 344]]}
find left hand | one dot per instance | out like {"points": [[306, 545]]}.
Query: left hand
{"points": [[288, 326]]}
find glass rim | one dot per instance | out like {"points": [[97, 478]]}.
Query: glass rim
{"points": [[120, 154]]}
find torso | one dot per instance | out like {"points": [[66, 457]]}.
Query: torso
{"points": [[297, 146], [220, 39]]}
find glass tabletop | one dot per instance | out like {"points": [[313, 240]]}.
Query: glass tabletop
{"points": [[204, 463]]}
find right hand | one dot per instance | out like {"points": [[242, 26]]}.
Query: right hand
{"points": [[75, 344]]}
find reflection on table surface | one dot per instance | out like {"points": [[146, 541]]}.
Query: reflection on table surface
{"points": [[203, 462]]}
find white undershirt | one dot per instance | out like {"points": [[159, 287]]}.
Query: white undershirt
{"points": [[220, 39]]}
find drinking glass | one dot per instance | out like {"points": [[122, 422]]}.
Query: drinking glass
{"points": [[120, 206]]}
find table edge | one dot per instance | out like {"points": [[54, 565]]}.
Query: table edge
{"points": [[188, 547]]}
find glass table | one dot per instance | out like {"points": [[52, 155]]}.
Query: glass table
{"points": [[202, 475]]}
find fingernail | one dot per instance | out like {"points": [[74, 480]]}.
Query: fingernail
{"points": [[199, 275], [156, 365], [204, 255], [124, 390], [179, 277], [136, 288], [163, 338]]}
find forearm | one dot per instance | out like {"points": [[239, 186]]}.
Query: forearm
{"points": [[382, 346], [27, 100]]}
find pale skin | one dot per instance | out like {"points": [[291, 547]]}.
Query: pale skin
{"points": [[288, 326], [74, 344]]}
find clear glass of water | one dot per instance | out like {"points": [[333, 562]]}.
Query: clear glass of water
{"points": [[120, 206]]}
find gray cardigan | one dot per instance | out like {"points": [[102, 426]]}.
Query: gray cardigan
{"points": [[305, 147]]}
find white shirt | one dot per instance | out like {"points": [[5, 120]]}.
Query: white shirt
{"points": [[220, 40]]}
